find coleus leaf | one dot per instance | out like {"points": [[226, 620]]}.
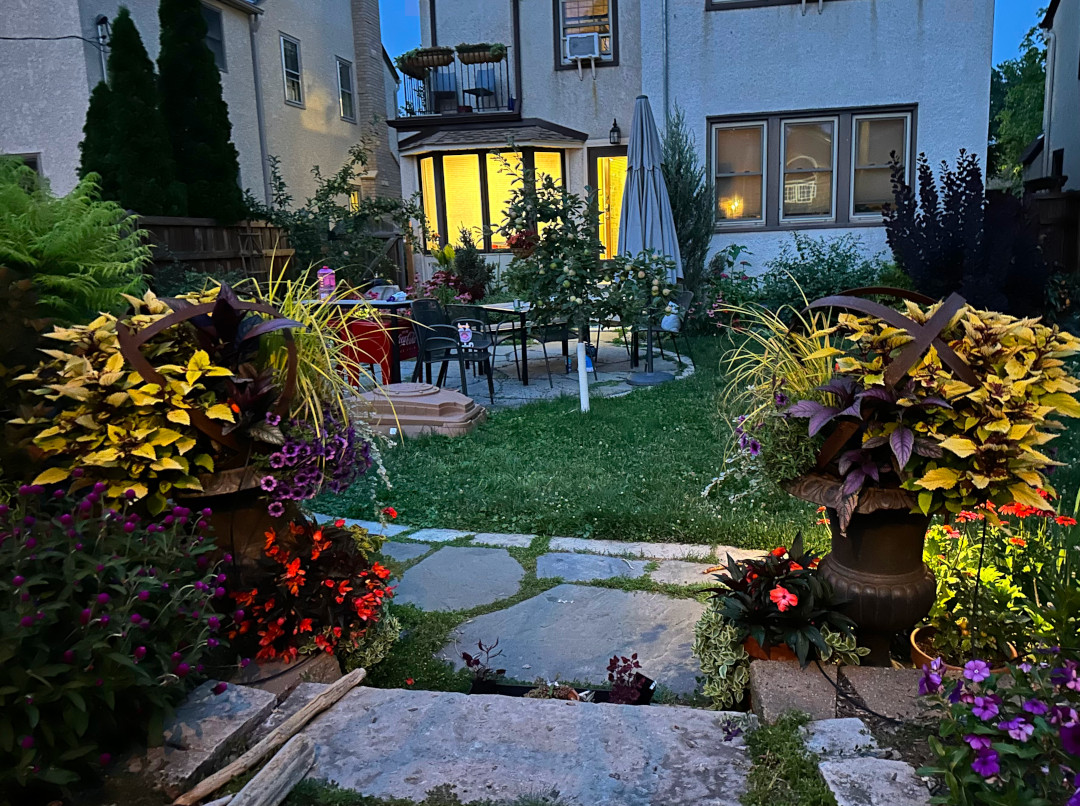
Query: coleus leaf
{"points": [[931, 450], [853, 482], [934, 401], [822, 418], [902, 442], [874, 442], [871, 470], [877, 393], [849, 458], [843, 388], [804, 408]]}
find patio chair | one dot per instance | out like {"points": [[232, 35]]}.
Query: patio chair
{"points": [[429, 320], [500, 332], [481, 352], [682, 303], [543, 333]]}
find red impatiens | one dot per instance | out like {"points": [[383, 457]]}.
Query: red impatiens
{"points": [[783, 598]]}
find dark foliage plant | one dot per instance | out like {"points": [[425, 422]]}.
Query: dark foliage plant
{"points": [[781, 600], [105, 621], [691, 194], [958, 238], [480, 664], [196, 115], [627, 681], [470, 268]]}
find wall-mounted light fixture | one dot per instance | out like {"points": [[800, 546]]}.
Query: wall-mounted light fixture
{"points": [[615, 135]]}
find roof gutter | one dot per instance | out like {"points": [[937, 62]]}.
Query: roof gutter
{"points": [[242, 5], [1048, 102], [260, 116]]}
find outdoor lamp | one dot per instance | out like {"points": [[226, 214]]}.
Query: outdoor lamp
{"points": [[615, 135]]}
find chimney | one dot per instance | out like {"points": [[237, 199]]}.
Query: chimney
{"points": [[384, 173]]}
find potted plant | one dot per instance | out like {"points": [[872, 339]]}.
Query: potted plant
{"points": [[481, 53], [886, 418], [418, 61], [484, 678]]}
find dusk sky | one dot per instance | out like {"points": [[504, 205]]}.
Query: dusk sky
{"points": [[401, 25]]}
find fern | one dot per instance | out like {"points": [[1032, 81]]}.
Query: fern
{"points": [[81, 252]]}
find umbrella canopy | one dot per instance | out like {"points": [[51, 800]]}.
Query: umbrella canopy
{"points": [[647, 222]]}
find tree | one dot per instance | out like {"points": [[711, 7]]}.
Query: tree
{"points": [[98, 142], [139, 158], [691, 197], [1017, 89], [196, 114]]}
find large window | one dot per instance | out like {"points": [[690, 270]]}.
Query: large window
{"points": [[586, 27], [471, 190], [290, 70], [346, 99], [790, 171], [215, 36]]}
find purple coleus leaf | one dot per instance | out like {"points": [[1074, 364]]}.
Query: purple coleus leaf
{"points": [[853, 482], [843, 388], [877, 393], [902, 442], [870, 469], [822, 418], [931, 450], [874, 442], [854, 410], [804, 408], [934, 401], [850, 458]]}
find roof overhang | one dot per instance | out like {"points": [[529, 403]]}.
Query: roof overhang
{"points": [[526, 133], [1048, 20], [241, 5]]}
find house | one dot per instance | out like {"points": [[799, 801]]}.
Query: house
{"points": [[796, 105], [303, 82], [1054, 156]]}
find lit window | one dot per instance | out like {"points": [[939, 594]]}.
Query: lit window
{"points": [[354, 200], [429, 196], [877, 138], [610, 181], [346, 101], [585, 27], [501, 170], [461, 186], [740, 172], [809, 148], [215, 36], [290, 67]]}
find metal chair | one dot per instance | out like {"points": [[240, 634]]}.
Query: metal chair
{"points": [[543, 333], [429, 320], [499, 332], [682, 303], [480, 350]]}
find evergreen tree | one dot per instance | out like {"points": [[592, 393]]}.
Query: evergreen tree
{"points": [[97, 143], [140, 157], [196, 115]]}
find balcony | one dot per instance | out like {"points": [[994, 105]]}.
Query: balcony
{"points": [[459, 93]]}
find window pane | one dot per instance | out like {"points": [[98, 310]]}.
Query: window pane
{"points": [[215, 39], [876, 139], [292, 56], [738, 150], [461, 184], [500, 177], [345, 92], [431, 208], [587, 17], [292, 90], [550, 164], [808, 162], [610, 181], [738, 198]]}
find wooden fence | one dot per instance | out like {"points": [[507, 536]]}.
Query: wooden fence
{"points": [[255, 248]]}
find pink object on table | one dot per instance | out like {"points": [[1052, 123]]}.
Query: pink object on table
{"points": [[327, 282]]}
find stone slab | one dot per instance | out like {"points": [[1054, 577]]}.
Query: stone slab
{"points": [[206, 729], [680, 572], [460, 578], [890, 692], [503, 541], [571, 631], [403, 552], [874, 782], [834, 739], [777, 687], [297, 699], [437, 535], [396, 743], [375, 527], [617, 548], [587, 567], [280, 678]]}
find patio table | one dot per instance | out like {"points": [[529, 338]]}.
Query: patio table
{"points": [[522, 311]]}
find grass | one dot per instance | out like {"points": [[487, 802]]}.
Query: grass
{"points": [[632, 469], [784, 772]]}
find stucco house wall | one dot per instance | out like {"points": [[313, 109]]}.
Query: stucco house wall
{"points": [[1063, 96], [933, 54]]}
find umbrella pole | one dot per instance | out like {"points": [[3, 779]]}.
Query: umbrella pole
{"points": [[648, 377]]}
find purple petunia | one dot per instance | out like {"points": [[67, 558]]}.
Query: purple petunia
{"points": [[1070, 739], [276, 509], [273, 419], [1036, 707], [984, 708], [268, 483], [986, 763], [977, 742], [976, 670], [277, 461], [1018, 728], [930, 683]]}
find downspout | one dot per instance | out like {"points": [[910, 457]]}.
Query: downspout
{"points": [[516, 15], [1048, 103], [260, 117], [667, 110]]}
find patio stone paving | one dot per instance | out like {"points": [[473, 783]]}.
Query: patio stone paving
{"points": [[587, 567], [503, 541], [680, 572], [459, 578], [403, 552], [438, 535], [571, 631], [655, 551]]}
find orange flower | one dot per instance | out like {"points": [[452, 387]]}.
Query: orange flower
{"points": [[409, 681], [796, 567], [339, 523], [1018, 541], [783, 598], [952, 533], [779, 551], [271, 536], [1065, 520], [305, 625], [390, 512]]}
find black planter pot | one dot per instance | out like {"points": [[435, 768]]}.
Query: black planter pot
{"points": [[648, 688]]}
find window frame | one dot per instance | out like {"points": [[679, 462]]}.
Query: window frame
{"points": [[557, 21], [339, 62], [843, 170], [908, 137], [730, 5], [282, 39], [834, 170], [484, 243], [743, 124], [223, 67]]}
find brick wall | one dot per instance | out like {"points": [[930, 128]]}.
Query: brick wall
{"points": [[385, 174]]}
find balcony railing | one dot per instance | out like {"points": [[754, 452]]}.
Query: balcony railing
{"points": [[460, 89]]}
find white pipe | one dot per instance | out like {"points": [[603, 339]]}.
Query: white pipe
{"points": [[1048, 104], [667, 110], [260, 117], [582, 377]]}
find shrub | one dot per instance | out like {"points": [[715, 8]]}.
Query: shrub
{"points": [[811, 268], [104, 621], [81, 252], [473, 273], [323, 592], [960, 239], [725, 286], [692, 200]]}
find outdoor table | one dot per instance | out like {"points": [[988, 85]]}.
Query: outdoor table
{"points": [[391, 308], [522, 311]]}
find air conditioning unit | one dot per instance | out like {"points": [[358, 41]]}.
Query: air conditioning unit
{"points": [[582, 46]]}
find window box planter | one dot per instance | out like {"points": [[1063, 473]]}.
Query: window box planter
{"points": [[481, 53], [416, 63]]}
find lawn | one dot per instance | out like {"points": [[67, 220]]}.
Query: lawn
{"points": [[632, 469]]}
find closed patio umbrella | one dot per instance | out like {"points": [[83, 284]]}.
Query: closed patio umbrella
{"points": [[647, 222]]}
